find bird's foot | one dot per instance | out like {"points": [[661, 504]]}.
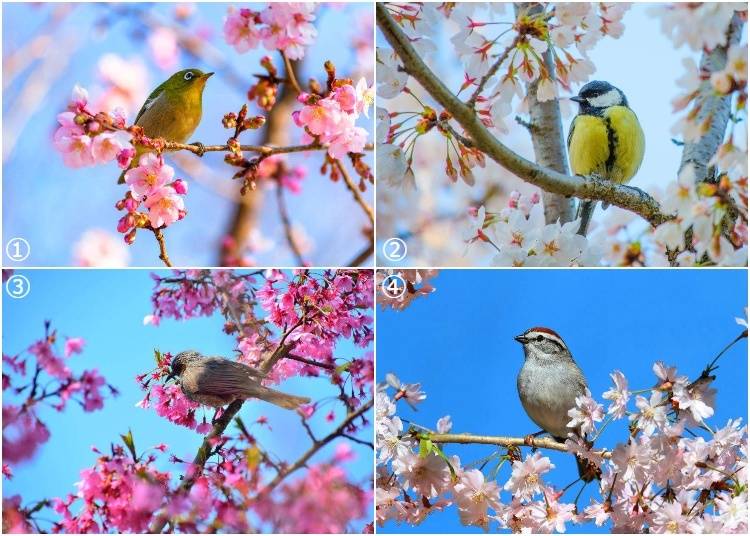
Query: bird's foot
{"points": [[201, 149]]}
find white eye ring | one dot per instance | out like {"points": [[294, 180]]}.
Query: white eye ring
{"points": [[189, 75]]}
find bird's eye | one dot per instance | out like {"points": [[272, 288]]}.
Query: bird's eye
{"points": [[189, 75], [539, 338]]}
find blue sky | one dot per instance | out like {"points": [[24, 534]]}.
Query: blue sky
{"points": [[643, 63], [107, 309], [52, 205], [458, 342]]}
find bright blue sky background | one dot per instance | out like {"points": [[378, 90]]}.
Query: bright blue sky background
{"points": [[107, 309], [52, 205], [643, 63], [458, 342]]}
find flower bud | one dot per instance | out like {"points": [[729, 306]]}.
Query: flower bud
{"points": [[254, 122], [180, 186], [130, 237]]}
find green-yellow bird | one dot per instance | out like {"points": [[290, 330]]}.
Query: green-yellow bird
{"points": [[173, 110], [605, 139]]}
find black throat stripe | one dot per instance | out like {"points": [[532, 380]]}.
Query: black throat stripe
{"points": [[612, 140]]}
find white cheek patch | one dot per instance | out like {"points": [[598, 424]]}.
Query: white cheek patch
{"points": [[605, 100]]}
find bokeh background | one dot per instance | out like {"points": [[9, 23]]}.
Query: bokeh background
{"points": [[643, 63], [48, 48], [458, 343], [106, 308]]}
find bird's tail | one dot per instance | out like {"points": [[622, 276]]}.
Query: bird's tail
{"points": [[280, 399], [585, 211]]}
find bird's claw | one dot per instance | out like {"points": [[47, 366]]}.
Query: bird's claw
{"points": [[528, 440], [201, 149]]}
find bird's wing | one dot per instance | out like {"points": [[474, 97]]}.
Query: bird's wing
{"points": [[151, 100], [219, 376], [570, 133]]}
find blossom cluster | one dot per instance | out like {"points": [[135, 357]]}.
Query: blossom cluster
{"points": [[418, 283], [309, 311], [41, 376], [153, 186], [519, 234], [86, 138], [331, 119], [283, 26], [660, 479]]}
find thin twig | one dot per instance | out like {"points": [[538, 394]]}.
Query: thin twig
{"points": [[361, 257], [355, 191], [338, 432], [543, 443], [290, 76], [286, 222], [311, 362], [162, 246], [489, 74]]}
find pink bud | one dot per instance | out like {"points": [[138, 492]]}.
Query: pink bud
{"points": [[182, 214], [130, 237], [123, 225], [131, 204], [180, 186]]}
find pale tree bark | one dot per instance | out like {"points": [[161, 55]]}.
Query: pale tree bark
{"points": [[715, 109], [545, 127]]}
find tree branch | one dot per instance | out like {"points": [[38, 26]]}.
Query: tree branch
{"points": [[623, 196], [714, 109], [286, 222], [503, 441], [200, 460], [316, 446], [547, 135], [159, 235], [355, 191]]}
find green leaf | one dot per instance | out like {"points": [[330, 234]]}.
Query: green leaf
{"points": [[157, 357], [425, 447], [343, 367], [130, 443], [440, 453]]}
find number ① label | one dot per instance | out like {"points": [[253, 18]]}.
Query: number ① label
{"points": [[17, 249], [394, 249], [17, 286], [394, 286]]}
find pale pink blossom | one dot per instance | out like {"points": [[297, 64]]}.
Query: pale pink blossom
{"points": [[149, 176], [525, 479]]}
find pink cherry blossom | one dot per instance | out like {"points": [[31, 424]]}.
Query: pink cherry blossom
{"points": [[240, 29], [73, 345], [149, 176], [525, 480], [164, 48], [165, 207]]}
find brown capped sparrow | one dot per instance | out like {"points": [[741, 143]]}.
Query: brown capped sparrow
{"points": [[548, 385]]}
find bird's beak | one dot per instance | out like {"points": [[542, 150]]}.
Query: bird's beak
{"points": [[578, 99], [521, 338], [206, 76]]}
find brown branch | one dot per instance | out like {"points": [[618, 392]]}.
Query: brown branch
{"points": [[311, 362], [282, 350], [623, 196], [503, 441], [355, 191], [162, 246], [291, 77], [286, 222], [264, 150], [316, 446], [361, 257], [204, 452]]}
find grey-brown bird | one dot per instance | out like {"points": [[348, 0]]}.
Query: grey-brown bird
{"points": [[216, 382]]}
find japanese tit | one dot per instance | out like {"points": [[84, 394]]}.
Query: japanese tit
{"points": [[605, 139]]}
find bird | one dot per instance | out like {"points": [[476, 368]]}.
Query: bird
{"points": [[548, 383], [173, 110], [216, 381], [605, 139]]}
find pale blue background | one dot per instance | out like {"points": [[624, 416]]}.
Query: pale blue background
{"points": [[106, 308], [458, 342], [52, 205]]}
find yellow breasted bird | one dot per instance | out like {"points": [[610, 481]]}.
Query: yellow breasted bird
{"points": [[173, 110], [605, 139]]}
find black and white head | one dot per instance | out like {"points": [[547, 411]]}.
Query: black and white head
{"points": [[597, 96], [181, 361], [543, 343]]}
